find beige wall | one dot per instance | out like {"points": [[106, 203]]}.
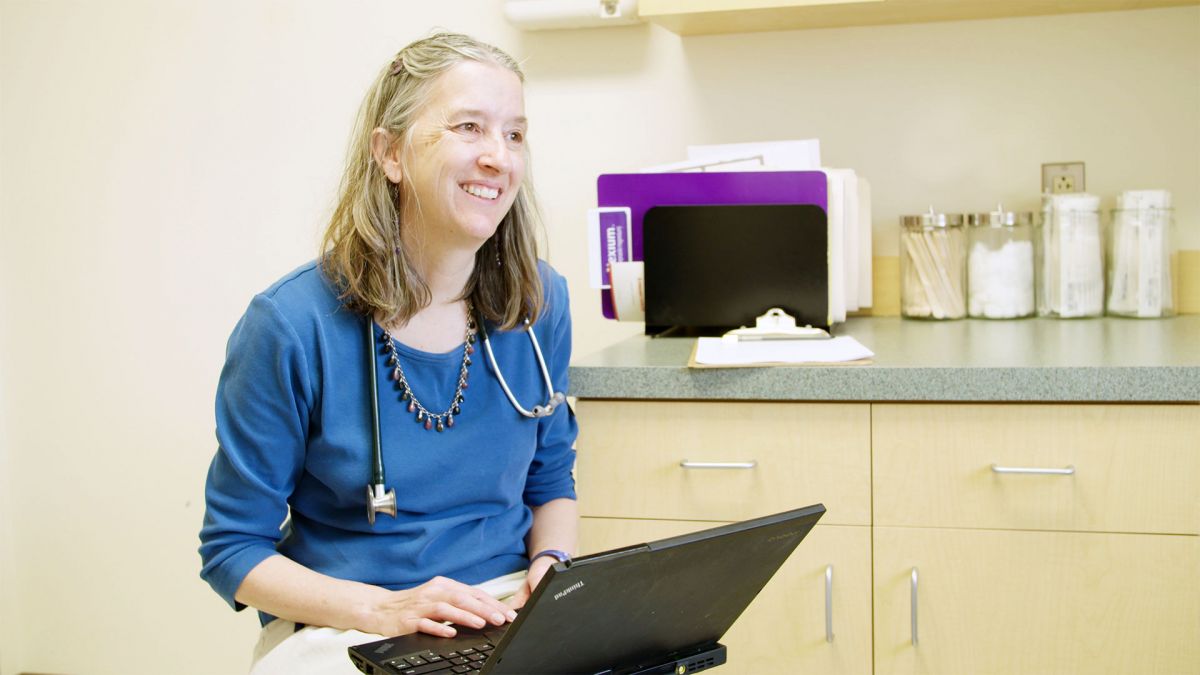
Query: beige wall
{"points": [[162, 161]]}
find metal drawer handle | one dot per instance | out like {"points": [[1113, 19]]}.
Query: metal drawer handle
{"points": [[914, 607], [688, 464], [829, 603], [1034, 470]]}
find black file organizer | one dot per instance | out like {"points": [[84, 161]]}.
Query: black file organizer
{"points": [[709, 269]]}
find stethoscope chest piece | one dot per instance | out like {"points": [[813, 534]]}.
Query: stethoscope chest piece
{"points": [[379, 501]]}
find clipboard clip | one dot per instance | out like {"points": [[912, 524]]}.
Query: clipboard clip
{"points": [[776, 324]]}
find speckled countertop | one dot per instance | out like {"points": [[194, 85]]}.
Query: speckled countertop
{"points": [[1105, 359]]}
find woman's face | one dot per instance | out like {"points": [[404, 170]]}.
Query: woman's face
{"points": [[466, 158]]}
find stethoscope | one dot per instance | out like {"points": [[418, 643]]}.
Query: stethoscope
{"points": [[380, 500]]}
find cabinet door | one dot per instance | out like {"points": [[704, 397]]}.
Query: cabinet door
{"points": [[784, 629], [794, 454], [1036, 602], [1134, 468]]}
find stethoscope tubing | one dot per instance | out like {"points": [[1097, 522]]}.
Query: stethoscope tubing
{"points": [[377, 462], [554, 397]]}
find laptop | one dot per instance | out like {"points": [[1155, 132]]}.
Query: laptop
{"points": [[652, 608]]}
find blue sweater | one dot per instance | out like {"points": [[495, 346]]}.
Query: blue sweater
{"points": [[294, 429]]}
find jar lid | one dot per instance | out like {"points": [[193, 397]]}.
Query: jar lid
{"points": [[1000, 218], [932, 219]]}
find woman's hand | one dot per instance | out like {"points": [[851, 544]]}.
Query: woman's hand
{"points": [[537, 570], [423, 609]]}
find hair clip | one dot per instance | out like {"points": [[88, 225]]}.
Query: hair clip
{"points": [[397, 66]]}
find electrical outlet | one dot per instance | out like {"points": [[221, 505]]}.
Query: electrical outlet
{"points": [[1063, 177]]}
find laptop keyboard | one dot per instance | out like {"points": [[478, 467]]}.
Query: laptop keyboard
{"points": [[468, 660]]}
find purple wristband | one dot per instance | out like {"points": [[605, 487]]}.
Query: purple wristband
{"points": [[560, 556]]}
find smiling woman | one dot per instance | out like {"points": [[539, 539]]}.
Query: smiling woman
{"points": [[432, 243], [464, 164], [436, 91]]}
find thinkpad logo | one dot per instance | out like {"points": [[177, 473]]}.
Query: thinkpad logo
{"points": [[383, 647], [568, 589]]}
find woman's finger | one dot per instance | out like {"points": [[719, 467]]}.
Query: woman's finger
{"points": [[446, 611], [437, 628], [469, 598], [498, 612], [518, 599]]}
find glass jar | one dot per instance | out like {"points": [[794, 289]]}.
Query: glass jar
{"points": [[932, 266], [1000, 265], [1140, 252], [1070, 257]]}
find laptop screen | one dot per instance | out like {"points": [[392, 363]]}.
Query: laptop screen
{"points": [[638, 605]]}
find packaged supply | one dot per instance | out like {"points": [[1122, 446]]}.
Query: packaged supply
{"points": [[1140, 255], [1070, 270]]}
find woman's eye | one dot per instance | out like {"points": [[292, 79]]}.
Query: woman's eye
{"points": [[516, 136], [469, 127]]}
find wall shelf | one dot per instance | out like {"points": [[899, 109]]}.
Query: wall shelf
{"points": [[709, 17]]}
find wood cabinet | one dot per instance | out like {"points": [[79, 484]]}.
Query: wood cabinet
{"points": [[701, 17], [1045, 538], [1092, 570], [632, 489], [630, 454], [994, 601], [1104, 468], [784, 629]]}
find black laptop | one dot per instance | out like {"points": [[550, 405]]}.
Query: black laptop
{"points": [[651, 608]]}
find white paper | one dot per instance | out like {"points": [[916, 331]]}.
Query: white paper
{"points": [[628, 291], [802, 155], [852, 245], [721, 352], [865, 277], [848, 214], [559, 14]]}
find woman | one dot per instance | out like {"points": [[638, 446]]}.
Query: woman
{"points": [[431, 243]]}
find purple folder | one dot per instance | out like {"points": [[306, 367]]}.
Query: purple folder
{"points": [[641, 191]]}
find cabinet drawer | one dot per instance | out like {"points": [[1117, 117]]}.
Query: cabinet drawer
{"points": [[1136, 467], [784, 629], [629, 455], [1035, 602]]}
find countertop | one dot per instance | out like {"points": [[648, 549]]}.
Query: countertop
{"points": [[1106, 359]]}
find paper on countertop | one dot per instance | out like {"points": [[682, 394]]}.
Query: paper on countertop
{"points": [[716, 351]]}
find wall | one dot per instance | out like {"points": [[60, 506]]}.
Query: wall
{"points": [[962, 115], [162, 161]]}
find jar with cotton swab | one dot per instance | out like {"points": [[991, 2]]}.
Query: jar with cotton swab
{"points": [[933, 266]]}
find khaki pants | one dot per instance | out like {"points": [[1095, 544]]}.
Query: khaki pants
{"points": [[283, 650]]}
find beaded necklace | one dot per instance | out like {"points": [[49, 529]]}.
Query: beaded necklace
{"points": [[432, 420]]}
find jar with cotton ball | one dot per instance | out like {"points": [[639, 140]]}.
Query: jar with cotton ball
{"points": [[1000, 265], [932, 266]]}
